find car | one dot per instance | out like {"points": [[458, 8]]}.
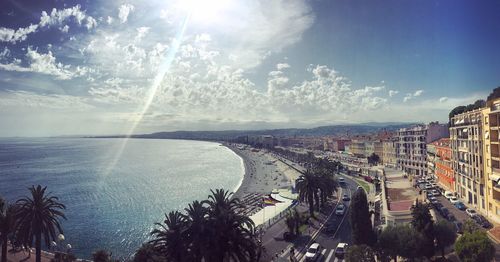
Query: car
{"points": [[435, 192], [341, 250], [340, 210], [438, 206], [454, 200], [482, 221], [428, 186], [341, 180], [313, 252], [420, 181], [458, 227], [346, 197], [434, 185], [432, 198], [471, 212], [359, 187], [450, 217], [444, 212], [429, 194], [460, 205], [448, 194]]}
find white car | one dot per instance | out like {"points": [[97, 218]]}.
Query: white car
{"points": [[471, 212], [340, 210], [448, 194], [341, 250], [428, 186], [313, 252], [454, 200], [435, 192]]}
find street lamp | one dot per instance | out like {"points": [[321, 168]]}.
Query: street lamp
{"points": [[61, 252]]}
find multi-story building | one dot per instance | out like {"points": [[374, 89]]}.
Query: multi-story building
{"points": [[358, 148], [389, 152], [431, 159], [491, 153], [369, 148], [467, 157], [412, 143], [443, 170], [378, 149]]}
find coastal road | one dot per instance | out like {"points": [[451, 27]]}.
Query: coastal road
{"points": [[342, 232]]}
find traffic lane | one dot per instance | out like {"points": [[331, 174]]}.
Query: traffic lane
{"points": [[342, 234], [460, 215]]}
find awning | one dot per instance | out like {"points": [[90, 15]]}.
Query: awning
{"points": [[464, 130], [495, 178]]}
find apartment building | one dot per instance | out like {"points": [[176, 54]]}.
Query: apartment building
{"points": [[491, 153], [467, 157], [431, 160], [443, 171], [389, 152], [411, 146], [358, 148]]}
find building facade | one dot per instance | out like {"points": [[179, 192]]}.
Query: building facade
{"points": [[411, 146], [389, 152], [467, 158], [443, 168], [491, 153], [431, 160]]}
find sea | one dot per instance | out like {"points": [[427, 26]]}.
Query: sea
{"points": [[115, 189]]}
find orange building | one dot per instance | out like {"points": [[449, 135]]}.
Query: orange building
{"points": [[444, 172]]}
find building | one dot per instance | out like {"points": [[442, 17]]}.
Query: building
{"points": [[445, 176], [431, 160], [491, 153], [467, 157], [335, 145], [411, 146], [357, 148], [378, 149], [389, 152]]}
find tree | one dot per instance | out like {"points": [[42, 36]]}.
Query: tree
{"points": [[470, 226], [307, 185], [102, 256], [399, 240], [361, 253], [147, 253], [7, 225], [388, 242], [361, 224], [422, 222], [232, 235], [445, 235], [373, 159], [327, 185], [474, 246], [38, 217], [169, 237], [196, 234]]}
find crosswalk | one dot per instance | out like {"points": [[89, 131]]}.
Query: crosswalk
{"points": [[324, 257]]}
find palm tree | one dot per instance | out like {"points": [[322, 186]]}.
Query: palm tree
{"points": [[38, 217], [197, 229], [232, 235], [328, 185], [308, 187], [169, 237], [7, 225]]}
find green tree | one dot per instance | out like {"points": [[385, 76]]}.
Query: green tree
{"points": [[470, 226], [102, 256], [38, 217], [474, 246], [327, 184], [232, 234], [7, 225], [445, 235], [388, 243], [147, 253], [361, 253], [373, 159], [169, 237], [196, 234], [307, 186], [422, 222], [361, 224]]}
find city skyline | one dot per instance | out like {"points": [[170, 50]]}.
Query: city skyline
{"points": [[147, 66]]}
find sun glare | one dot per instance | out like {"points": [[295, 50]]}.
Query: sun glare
{"points": [[205, 11]]}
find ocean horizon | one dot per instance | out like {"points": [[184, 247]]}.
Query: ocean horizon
{"points": [[115, 189]]}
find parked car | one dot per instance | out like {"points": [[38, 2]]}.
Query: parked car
{"points": [[340, 210], [435, 201], [482, 221], [460, 205], [429, 194], [471, 212], [432, 198], [438, 206], [346, 197], [341, 180], [435, 192], [450, 217], [428, 186], [454, 200], [458, 227], [444, 212], [313, 252], [448, 194], [341, 250]]}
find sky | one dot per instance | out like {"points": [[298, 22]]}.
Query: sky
{"points": [[119, 67]]}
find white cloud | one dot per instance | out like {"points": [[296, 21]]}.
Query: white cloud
{"points": [[393, 93], [410, 96], [443, 99], [282, 66], [64, 29], [418, 93], [123, 12], [13, 36], [109, 20]]}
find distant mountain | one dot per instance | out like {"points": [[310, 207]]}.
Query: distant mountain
{"points": [[333, 130]]}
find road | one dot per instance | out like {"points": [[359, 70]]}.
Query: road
{"points": [[329, 241]]}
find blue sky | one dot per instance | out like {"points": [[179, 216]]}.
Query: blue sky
{"points": [[112, 67]]}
